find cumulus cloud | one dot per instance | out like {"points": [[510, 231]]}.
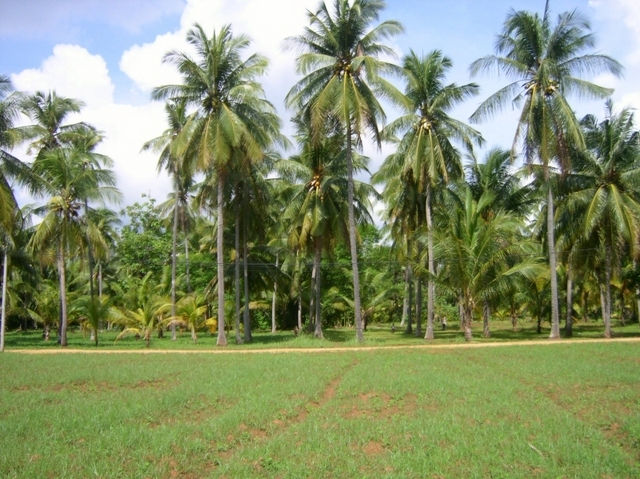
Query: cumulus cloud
{"points": [[267, 23], [73, 72]]}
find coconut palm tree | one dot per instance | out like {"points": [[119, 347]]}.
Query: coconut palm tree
{"points": [[182, 173], [66, 181], [545, 62], [494, 176], [49, 111], [317, 199], [231, 111], [143, 321], [8, 205], [476, 253], [427, 136], [606, 196], [192, 312], [341, 67]]}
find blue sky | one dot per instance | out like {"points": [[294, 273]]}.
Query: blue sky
{"points": [[107, 53]]}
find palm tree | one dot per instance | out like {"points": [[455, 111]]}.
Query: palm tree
{"points": [[341, 66], [49, 111], [181, 172], [427, 131], [476, 253], [231, 111], [67, 182], [545, 62], [191, 311], [606, 196], [8, 205], [494, 176], [143, 321], [96, 311], [316, 199]]}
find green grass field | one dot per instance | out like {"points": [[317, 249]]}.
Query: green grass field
{"points": [[564, 410]]}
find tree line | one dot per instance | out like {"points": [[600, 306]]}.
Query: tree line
{"points": [[280, 234]]}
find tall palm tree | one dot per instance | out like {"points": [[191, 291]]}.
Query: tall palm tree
{"points": [[317, 199], [428, 132], [8, 113], [231, 111], [49, 111], [11, 168], [341, 66], [181, 172], [606, 196], [546, 61], [67, 182], [494, 176]]}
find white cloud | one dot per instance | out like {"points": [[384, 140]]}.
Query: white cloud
{"points": [[266, 23], [143, 63], [73, 72]]}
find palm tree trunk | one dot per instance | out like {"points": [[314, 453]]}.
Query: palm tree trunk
{"points": [[623, 321], [237, 274], [3, 315], [100, 280], [316, 265], [607, 293], [418, 307], [94, 331], [406, 306], [568, 326], [222, 337], [245, 266], [299, 311], [635, 268], [603, 301], [461, 313], [409, 287], [431, 288], [468, 335], [486, 313], [298, 273], [585, 304], [312, 299], [555, 317], [63, 295], [273, 300], [174, 259], [89, 252], [352, 241], [186, 253]]}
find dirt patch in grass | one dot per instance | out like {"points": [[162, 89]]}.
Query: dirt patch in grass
{"points": [[373, 449], [382, 406]]}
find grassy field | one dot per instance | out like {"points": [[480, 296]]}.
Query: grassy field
{"points": [[375, 336], [564, 410]]}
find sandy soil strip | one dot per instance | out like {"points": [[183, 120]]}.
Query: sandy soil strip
{"points": [[542, 342]]}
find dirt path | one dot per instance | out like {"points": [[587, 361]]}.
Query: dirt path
{"points": [[542, 342]]}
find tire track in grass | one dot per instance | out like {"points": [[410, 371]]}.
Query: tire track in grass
{"points": [[279, 427]]}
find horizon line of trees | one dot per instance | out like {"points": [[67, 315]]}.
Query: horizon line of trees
{"points": [[292, 236]]}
